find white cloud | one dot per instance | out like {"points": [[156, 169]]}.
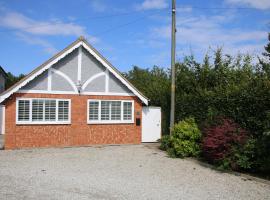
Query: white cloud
{"points": [[28, 29], [47, 47], [200, 32], [259, 4], [184, 9], [20, 22], [98, 5], [152, 4]]}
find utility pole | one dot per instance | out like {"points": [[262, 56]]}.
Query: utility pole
{"points": [[173, 68]]}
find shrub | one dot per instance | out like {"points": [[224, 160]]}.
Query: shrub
{"points": [[184, 141], [263, 153], [165, 142], [225, 144], [244, 156]]}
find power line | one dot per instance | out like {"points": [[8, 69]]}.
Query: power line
{"points": [[47, 24], [121, 25], [217, 8]]}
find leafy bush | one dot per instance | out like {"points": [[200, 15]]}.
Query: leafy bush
{"points": [[232, 86], [165, 142], [226, 144], [184, 141], [263, 153], [245, 155]]}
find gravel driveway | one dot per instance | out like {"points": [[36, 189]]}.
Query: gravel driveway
{"points": [[116, 172]]}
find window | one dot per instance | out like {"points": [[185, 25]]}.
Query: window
{"points": [[63, 110], [127, 115], [107, 111], [50, 110], [24, 110], [37, 110], [93, 110], [116, 110], [43, 111]]}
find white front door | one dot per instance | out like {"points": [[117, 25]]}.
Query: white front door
{"points": [[151, 124]]}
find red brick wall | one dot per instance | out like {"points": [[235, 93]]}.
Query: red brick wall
{"points": [[78, 133]]}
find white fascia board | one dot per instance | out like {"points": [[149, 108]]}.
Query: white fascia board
{"points": [[74, 93], [91, 51], [15, 89]]}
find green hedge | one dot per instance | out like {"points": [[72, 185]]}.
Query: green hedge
{"points": [[237, 88]]}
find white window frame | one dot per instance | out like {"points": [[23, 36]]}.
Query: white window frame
{"points": [[30, 122], [99, 121]]}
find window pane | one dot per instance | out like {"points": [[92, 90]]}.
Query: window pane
{"points": [[115, 110], [93, 110], [50, 110], [63, 110], [127, 111], [105, 110], [23, 110], [37, 110]]}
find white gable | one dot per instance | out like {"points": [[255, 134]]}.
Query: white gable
{"points": [[78, 68]]}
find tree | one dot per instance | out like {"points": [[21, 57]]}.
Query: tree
{"points": [[12, 79], [154, 84], [265, 60]]}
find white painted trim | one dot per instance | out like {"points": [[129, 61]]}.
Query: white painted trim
{"points": [[41, 123], [46, 92], [79, 77], [40, 71], [91, 51], [71, 92], [109, 121], [64, 54], [108, 94], [49, 79], [30, 122], [107, 81], [91, 79], [65, 77]]}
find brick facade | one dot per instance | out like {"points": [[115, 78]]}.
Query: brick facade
{"points": [[78, 133]]}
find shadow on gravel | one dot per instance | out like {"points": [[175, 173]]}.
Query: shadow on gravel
{"points": [[1, 142], [244, 176]]}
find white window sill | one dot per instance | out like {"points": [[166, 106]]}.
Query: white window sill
{"points": [[43, 123], [110, 122]]}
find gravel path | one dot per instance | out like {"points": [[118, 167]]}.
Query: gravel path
{"points": [[116, 172]]}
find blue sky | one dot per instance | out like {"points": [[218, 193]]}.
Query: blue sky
{"points": [[129, 32]]}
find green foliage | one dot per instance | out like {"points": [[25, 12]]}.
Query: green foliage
{"points": [[245, 155], [12, 79], [155, 84], [184, 141], [187, 129], [165, 142], [241, 158], [222, 85], [263, 152]]}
